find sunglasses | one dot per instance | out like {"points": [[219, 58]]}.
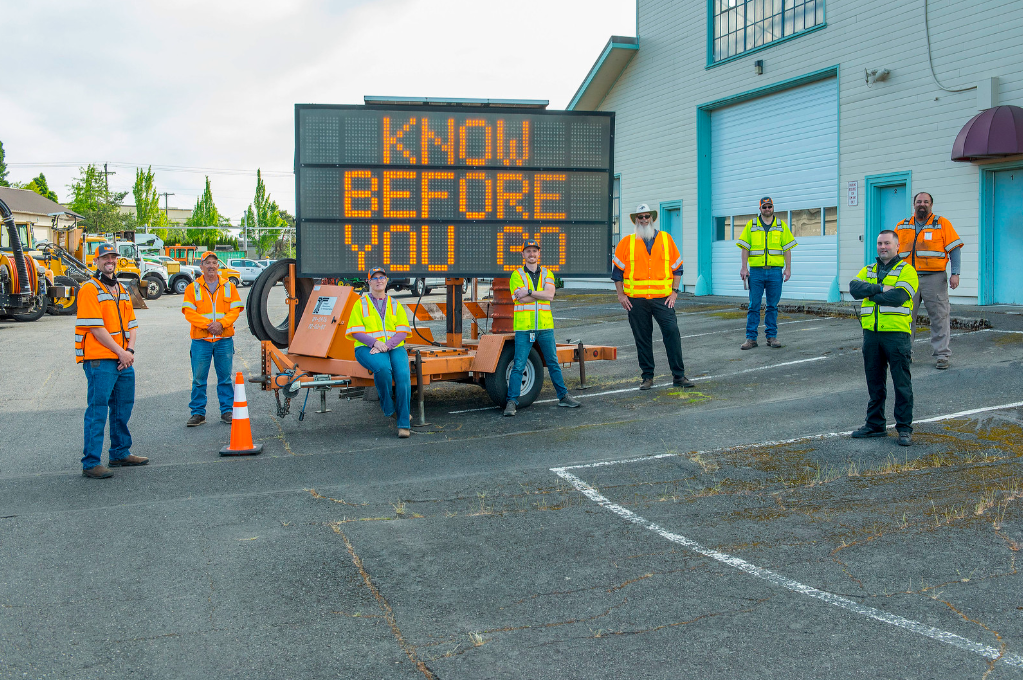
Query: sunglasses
{"points": [[644, 216], [378, 277], [767, 205]]}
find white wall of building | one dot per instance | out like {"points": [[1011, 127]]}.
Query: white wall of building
{"points": [[903, 124]]}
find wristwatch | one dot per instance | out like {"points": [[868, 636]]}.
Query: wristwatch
{"points": [[129, 349], [676, 290]]}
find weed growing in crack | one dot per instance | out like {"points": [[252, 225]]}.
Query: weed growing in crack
{"points": [[477, 639]]}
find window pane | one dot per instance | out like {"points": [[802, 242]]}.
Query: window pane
{"points": [[776, 30], [830, 221], [806, 222], [719, 228], [820, 12], [798, 21], [739, 222]]}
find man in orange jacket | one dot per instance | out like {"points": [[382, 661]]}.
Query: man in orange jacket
{"points": [[930, 244], [647, 271], [211, 305], [105, 334]]}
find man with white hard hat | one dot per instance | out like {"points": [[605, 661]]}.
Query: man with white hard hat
{"points": [[647, 272]]}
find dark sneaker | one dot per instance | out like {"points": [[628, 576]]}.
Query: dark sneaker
{"points": [[749, 344], [905, 439], [404, 433], [129, 461], [773, 342], [568, 402], [509, 409], [683, 382], [647, 384], [866, 431], [195, 421], [227, 417], [942, 363], [98, 472]]}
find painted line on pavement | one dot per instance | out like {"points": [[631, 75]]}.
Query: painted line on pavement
{"points": [[777, 579], [774, 578], [634, 389]]}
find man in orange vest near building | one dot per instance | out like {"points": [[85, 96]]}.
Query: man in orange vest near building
{"points": [[105, 335], [211, 305], [930, 243], [647, 271]]}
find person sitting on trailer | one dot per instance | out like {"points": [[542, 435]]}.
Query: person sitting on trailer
{"points": [[378, 325]]}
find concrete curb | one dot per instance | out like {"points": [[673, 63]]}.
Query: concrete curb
{"points": [[850, 311]]}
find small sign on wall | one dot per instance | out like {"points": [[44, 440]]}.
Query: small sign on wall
{"points": [[854, 193]]}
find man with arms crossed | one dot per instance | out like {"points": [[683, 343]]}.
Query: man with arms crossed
{"points": [[532, 286]]}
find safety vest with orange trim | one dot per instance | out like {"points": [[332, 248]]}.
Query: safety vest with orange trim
{"points": [[366, 319], [928, 251], [97, 308], [202, 307], [536, 315], [647, 274]]}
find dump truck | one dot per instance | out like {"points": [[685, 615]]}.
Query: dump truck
{"points": [[26, 286]]}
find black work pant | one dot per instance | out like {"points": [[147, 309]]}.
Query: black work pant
{"points": [[884, 351], [641, 318]]}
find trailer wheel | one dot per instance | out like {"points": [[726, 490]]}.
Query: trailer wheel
{"points": [[154, 286], [257, 303], [532, 377], [68, 305]]}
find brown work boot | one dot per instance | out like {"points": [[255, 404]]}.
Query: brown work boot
{"points": [[129, 461], [683, 382], [647, 384], [749, 344], [227, 417], [404, 433], [98, 472], [773, 342], [195, 421], [942, 363]]}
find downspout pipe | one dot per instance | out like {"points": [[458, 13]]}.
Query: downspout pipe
{"points": [[19, 251]]}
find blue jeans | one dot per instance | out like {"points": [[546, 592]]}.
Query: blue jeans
{"points": [[763, 279], [387, 368], [111, 392], [221, 353], [546, 345]]}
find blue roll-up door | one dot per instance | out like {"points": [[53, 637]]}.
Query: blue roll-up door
{"points": [[783, 145]]}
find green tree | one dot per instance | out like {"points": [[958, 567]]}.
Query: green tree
{"points": [[90, 198], [147, 201], [38, 185], [3, 168], [264, 222], [204, 214]]}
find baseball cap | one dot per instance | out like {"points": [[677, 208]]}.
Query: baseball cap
{"points": [[105, 249], [209, 253], [531, 243], [375, 270], [766, 199]]}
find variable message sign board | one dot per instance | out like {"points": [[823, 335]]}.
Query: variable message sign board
{"points": [[451, 190]]}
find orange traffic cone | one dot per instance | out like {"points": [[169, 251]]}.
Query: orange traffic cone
{"points": [[241, 433]]}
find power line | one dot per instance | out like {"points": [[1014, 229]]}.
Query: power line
{"points": [[162, 168]]}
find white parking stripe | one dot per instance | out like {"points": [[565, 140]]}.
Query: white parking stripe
{"points": [[946, 637], [777, 579]]}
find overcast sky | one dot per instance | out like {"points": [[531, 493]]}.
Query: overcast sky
{"points": [[210, 86]]}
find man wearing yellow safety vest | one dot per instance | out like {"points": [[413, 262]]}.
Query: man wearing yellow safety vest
{"points": [[887, 288], [211, 305], [532, 286], [930, 243], [647, 271], [766, 244]]}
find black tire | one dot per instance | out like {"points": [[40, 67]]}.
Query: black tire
{"points": [[179, 284], [532, 377], [153, 287], [65, 306], [39, 305], [235, 282], [258, 317], [418, 287]]}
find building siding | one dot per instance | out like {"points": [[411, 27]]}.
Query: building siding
{"points": [[904, 123]]}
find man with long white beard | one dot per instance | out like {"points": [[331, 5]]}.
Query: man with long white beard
{"points": [[647, 271]]}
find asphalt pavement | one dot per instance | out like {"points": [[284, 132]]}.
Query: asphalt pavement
{"points": [[730, 530]]}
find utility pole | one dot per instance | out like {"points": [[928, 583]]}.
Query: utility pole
{"points": [[106, 180], [165, 208]]}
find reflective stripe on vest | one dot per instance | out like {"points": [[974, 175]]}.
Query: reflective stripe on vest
{"points": [[642, 287], [926, 260], [761, 253], [874, 317]]}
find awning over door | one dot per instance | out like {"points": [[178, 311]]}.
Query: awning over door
{"points": [[992, 133]]}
